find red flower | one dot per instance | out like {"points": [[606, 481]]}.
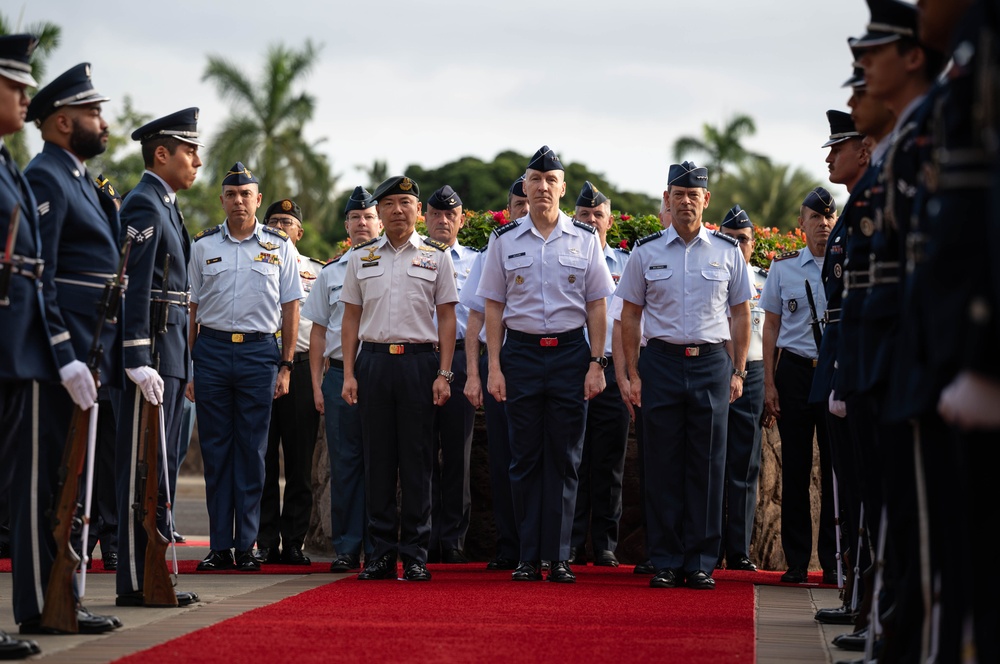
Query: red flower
{"points": [[623, 244], [626, 217], [500, 217]]}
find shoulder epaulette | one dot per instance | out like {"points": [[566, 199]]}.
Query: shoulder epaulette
{"points": [[586, 227], [316, 260], [624, 251], [371, 241], [649, 238], [208, 231], [787, 255], [509, 226], [440, 246], [333, 261], [731, 240], [277, 231]]}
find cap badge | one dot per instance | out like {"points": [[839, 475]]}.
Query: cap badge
{"points": [[405, 184], [286, 205]]}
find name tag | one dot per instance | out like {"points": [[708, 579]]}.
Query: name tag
{"points": [[517, 255], [213, 260]]}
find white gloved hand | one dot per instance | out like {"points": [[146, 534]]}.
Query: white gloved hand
{"points": [[149, 382], [79, 382], [837, 407]]}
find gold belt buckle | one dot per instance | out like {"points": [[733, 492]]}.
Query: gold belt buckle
{"points": [[237, 338], [692, 351], [815, 362], [395, 349]]}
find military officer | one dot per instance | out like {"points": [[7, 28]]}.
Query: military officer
{"points": [[602, 463], [743, 438], [244, 286], [294, 422], [544, 279], [345, 448], [28, 357], [81, 252], [451, 498], [394, 287], [685, 379]]}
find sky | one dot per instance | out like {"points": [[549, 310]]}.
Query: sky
{"points": [[611, 85]]}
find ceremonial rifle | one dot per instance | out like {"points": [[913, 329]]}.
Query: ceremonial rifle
{"points": [[7, 265], [59, 613], [815, 324]]}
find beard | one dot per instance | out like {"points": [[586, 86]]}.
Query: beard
{"points": [[86, 144]]}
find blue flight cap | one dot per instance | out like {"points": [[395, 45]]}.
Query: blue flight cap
{"points": [[891, 20], [590, 197], [239, 175], [841, 128], [397, 184], [517, 189], [820, 200], [545, 160], [360, 200], [688, 175], [71, 88], [182, 125], [737, 218], [15, 58], [445, 198]]}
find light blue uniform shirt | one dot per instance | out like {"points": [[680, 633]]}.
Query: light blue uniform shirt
{"points": [[323, 306], [463, 258], [686, 289], [468, 298], [785, 296], [545, 283], [758, 277], [616, 260], [239, 286]]}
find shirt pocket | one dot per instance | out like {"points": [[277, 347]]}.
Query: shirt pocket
{"points": [[658, 275], [421, 282], [265, 278], [334, 295], [717, 280], [793, 299], [372, 286], [517, 268]]}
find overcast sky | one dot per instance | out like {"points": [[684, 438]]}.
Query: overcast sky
{"points": [[609, 84]]}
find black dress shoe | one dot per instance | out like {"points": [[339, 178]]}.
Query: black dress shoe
{"points": [[416, 571], [577, 555], [87, 623], [545, 565], [16, 648], [345, 563], [561, 573], [700, 581], [84, 611], [294, 556], [380, 568], [830, 577], [136, 599], [606, 558], [855, 641], [740, 563], [842, 615], [526, 572], [246, 561], [645, 567], [110, 560], [501, 563], [178, 538], [795, 575], [268, 555], [453, 557], [217, 561], [666, 578]]}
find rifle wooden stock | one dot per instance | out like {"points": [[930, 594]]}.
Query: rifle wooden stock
{"points": [[157, 589], [59, 613]]}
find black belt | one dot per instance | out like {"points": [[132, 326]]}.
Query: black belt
{"points": [[795, 358], [396, 349], [301, 357], [24, 266], [339, 364], [235, 337], [546, 340], [831, 316], [688, 350], [459, 344], [180, 298], [884, 273]]}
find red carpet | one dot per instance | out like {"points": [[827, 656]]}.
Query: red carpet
{"points": [[467, 614]]}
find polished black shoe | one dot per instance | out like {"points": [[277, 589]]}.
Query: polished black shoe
{"points": [[741, 564], [217, 561], [577, 556], [246, 561], [605, 559], [345, 563], [136, 599], [645, 567], [855, 641], [795, 575], [268, 555], [11, 648], [87, 623], [500, 563], [453, 557], [110, 560], [700, 581], [526, 572], [381, 568], [561, 573], [545, 565], [830, 577], [416, 571], [178, 538], [666, 578], [842, 615], [293, 556]]}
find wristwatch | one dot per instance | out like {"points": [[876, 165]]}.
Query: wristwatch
{"points": [[286, 363], [448, 375], [602, 360], [741, 374]]}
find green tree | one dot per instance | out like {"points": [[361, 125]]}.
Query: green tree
{"points": [[122, 162], [770, 193], [722, 146]]}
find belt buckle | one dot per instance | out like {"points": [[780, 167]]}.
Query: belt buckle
{"points": [[692, 351], [548, 341], [396, 349], [815, 362], [237, 338]]}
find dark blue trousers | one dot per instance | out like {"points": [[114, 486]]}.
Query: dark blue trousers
{"points": [[498, 441], [743, 443]]}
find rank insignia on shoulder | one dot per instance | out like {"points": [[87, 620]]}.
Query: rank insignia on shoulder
{"points": [[649, 238], [269, 246], [506, 228], [584, 226], [208, 231], [276, 231], [786, 256], [213, 260], [365, 244], [138, 237], [440, 246], [731, 240]]}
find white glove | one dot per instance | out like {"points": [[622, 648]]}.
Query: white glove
{"points": [[838, 408], [79, 382], [149, 382]]}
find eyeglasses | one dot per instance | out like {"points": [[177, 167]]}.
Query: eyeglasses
{"points": [[284, 223], [742, 239]]}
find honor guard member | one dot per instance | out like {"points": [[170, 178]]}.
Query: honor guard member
{"points": [[345, 448], [27, 357], [294, 422], [683, 281], [244, 286], [155, 326], [743, 438], [544, 279], [394, 286], [508, 547], [790, 350], [451, 497], [602, 464], [81, 253]]}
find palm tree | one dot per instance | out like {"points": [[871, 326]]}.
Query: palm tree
{"points": [[770, 193], [723, 147]]}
